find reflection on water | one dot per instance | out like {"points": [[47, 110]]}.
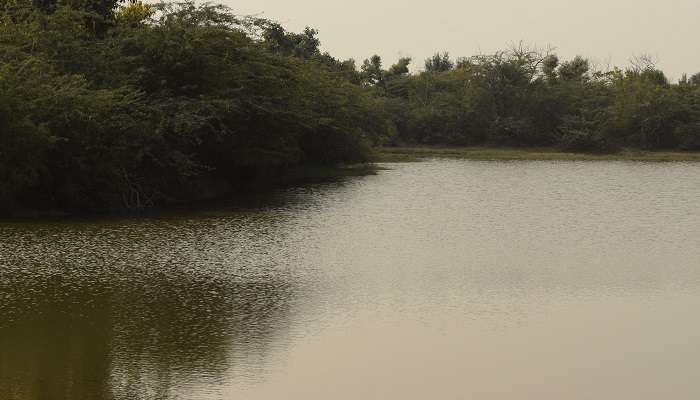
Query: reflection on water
{"points": [[137, 309], [442, 279], [142, 340]]}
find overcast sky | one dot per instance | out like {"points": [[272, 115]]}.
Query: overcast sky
{"points": [[607, 31]]}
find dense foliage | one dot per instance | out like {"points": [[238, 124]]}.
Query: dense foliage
{"points": [[523, 97], [109, 105], [136, 105]]}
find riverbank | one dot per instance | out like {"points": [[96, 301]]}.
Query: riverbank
{"points": [[207, 192], [407, 154]]}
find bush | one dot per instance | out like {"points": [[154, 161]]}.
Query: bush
{"points": [[688, 136], [162, 99], [579, 134], [586, 142]]}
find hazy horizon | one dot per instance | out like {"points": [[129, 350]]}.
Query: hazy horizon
{"points": [[606, 32]]}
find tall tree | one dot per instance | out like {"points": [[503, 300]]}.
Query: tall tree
{"points": [[439, 62]]}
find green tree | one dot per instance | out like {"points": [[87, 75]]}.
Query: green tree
{"points": [[576, 69], [372, 72], [439, 62]]}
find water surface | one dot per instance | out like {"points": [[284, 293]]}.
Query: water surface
{"points": [[443, 279]]}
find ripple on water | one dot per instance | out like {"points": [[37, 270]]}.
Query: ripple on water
{"points": [[449, 263]]}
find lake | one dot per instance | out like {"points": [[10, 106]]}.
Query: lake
{"points": [[442, 279]]}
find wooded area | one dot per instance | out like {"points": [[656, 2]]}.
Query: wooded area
{"points": [[107, 105]]}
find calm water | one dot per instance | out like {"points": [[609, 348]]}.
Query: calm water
{"points": [[434, 280]]}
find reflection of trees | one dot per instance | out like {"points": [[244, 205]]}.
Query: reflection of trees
{"points": [[54, 347], [187, 326], [84, 338], [129, 308]]}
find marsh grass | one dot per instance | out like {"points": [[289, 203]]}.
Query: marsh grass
{"points": [[409, 154]]}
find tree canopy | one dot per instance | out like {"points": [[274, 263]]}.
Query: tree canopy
{"points": [[125, 105]]}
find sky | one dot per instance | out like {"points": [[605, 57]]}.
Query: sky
{"points": [[608, 32]]}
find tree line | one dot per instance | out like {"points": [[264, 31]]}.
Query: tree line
{"points": [[113, 105], [526, 97]]}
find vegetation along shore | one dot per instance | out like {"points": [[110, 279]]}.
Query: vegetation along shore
{"points": [[404, 154], [108, 105]]}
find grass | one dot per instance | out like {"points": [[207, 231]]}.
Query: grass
{"points": [[408, 154]]}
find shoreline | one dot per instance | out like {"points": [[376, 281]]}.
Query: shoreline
{"points": [[310, 174], [231, 196], [417, 153]]}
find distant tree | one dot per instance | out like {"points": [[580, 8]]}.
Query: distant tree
{"points": [[397, 83], [372, 72], [655, 76], [642, 62], [695, 79], [575, 70], [348, 70], [439, 62], [463, 62], [643, 67], [400, 68], [549, 66], [303, 45]]}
